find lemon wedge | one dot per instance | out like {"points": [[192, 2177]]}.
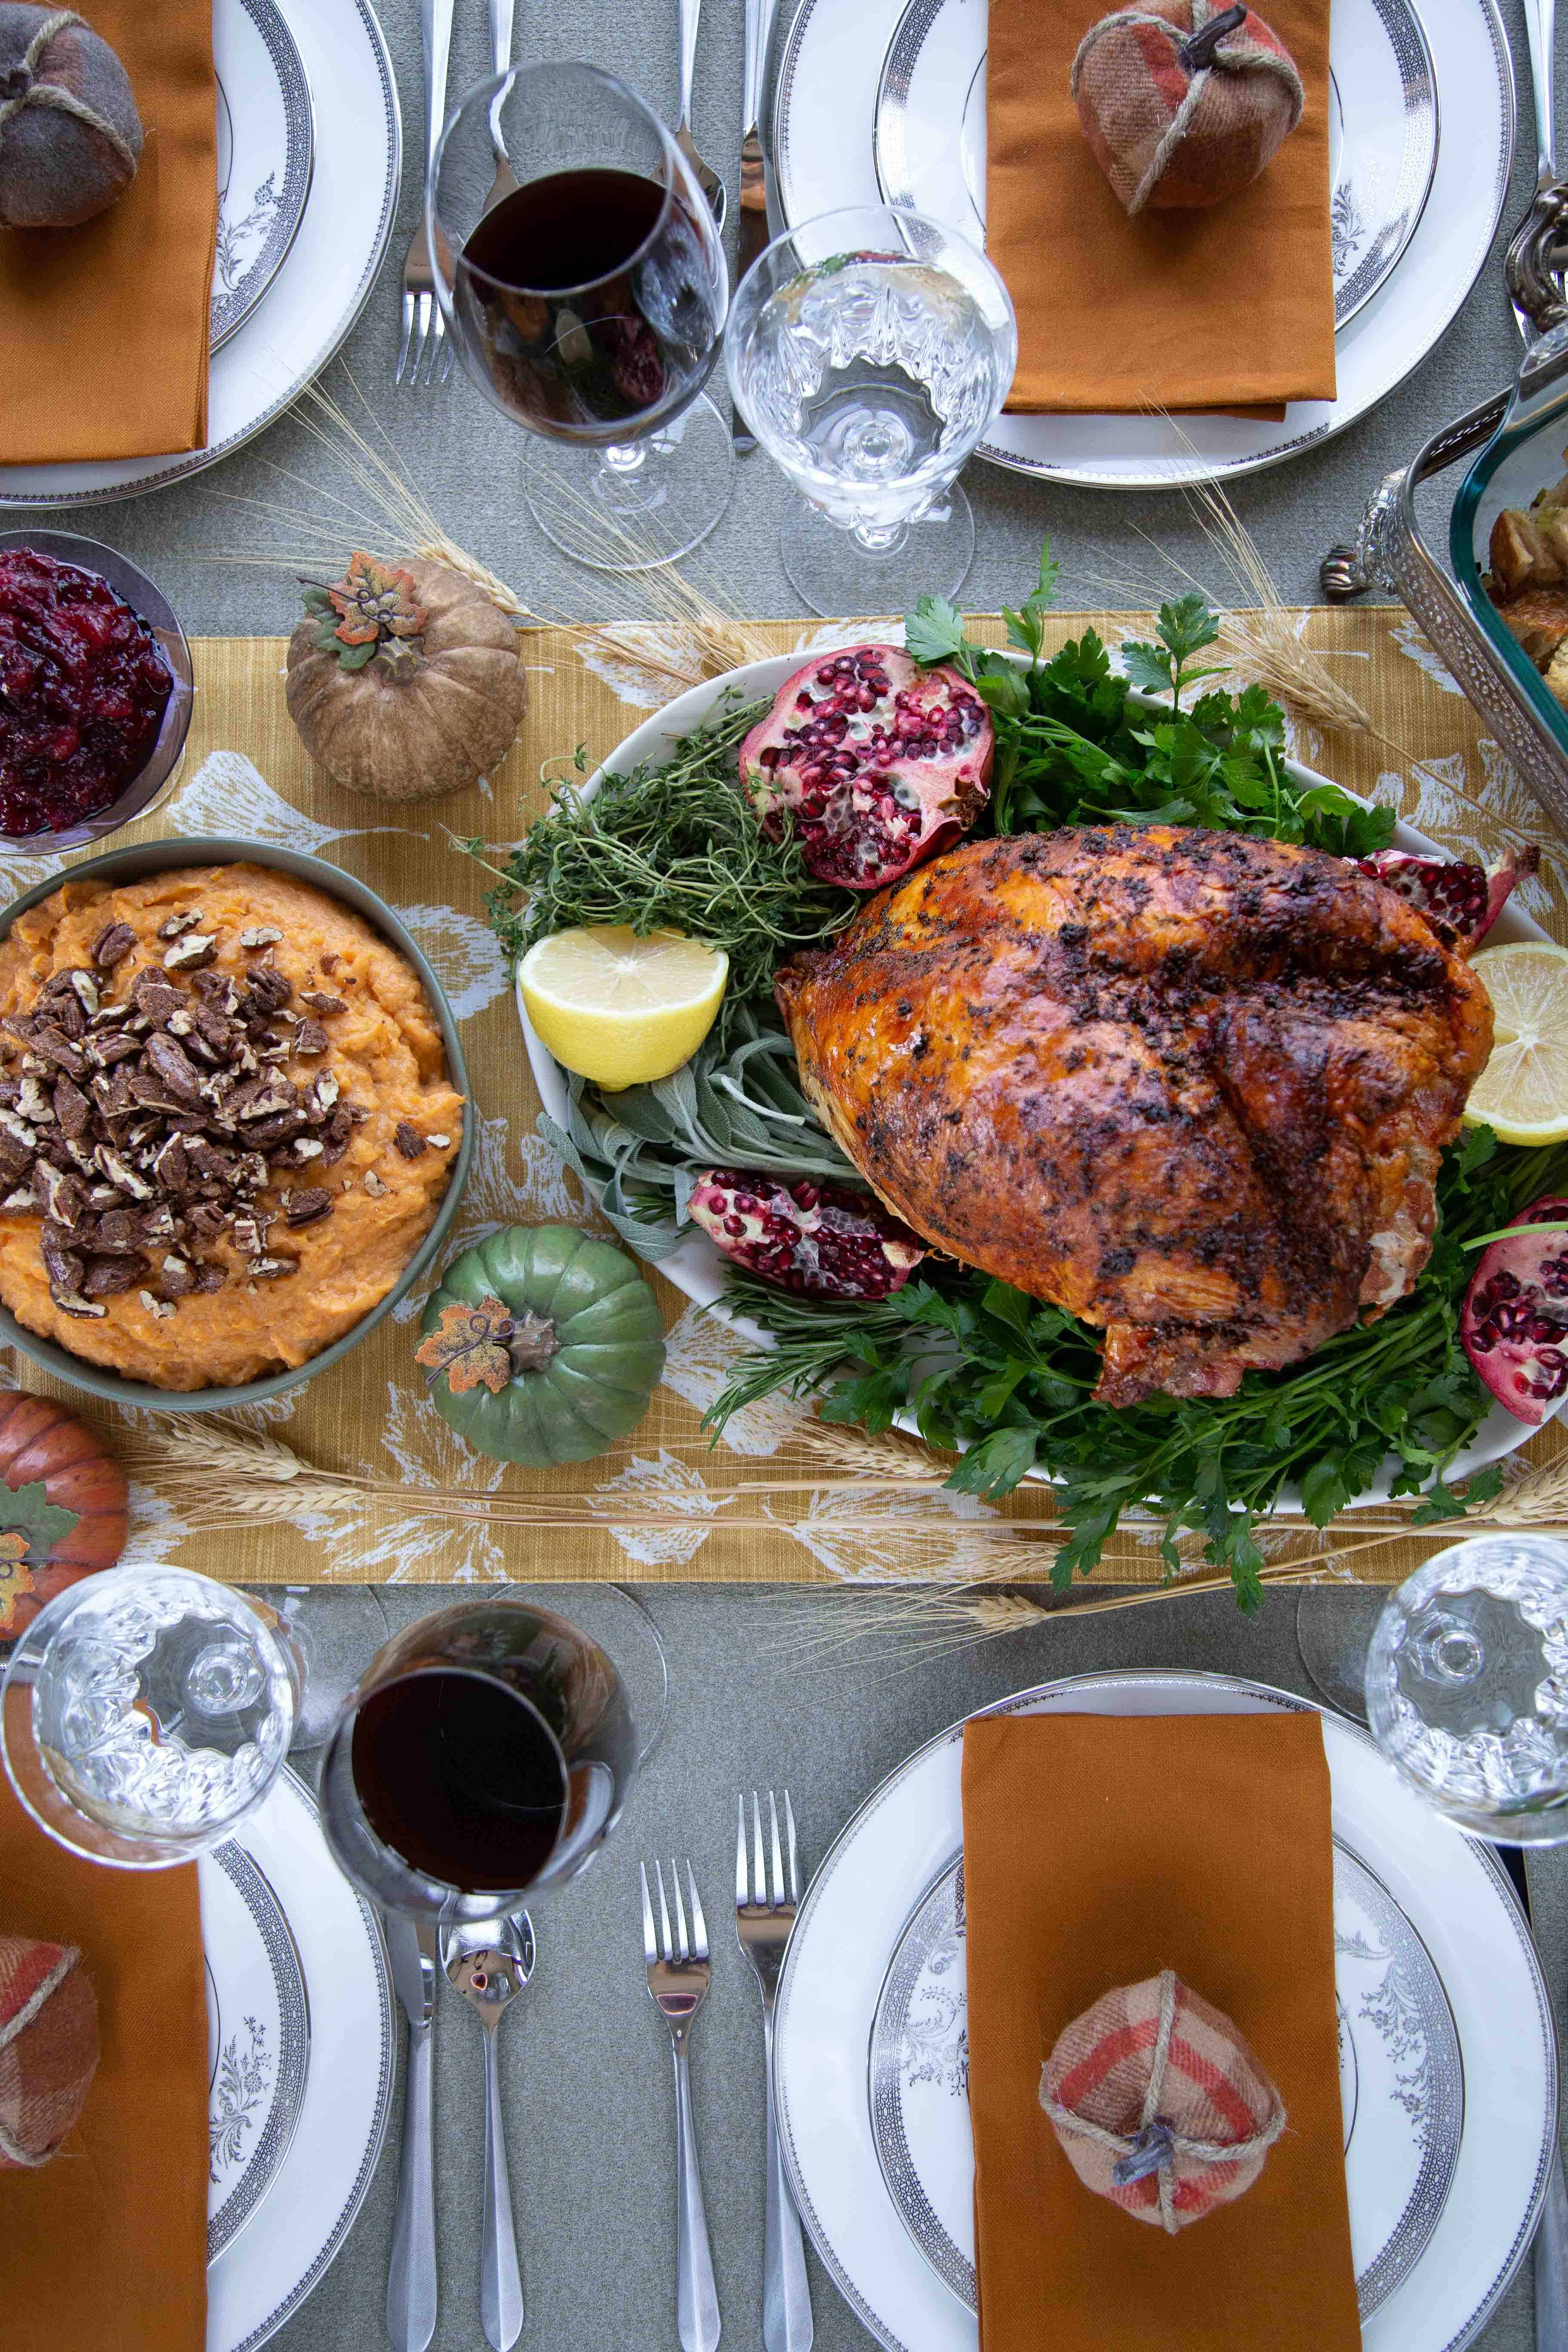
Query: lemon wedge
{"points": [[620, 1010], [1523, 1090]]}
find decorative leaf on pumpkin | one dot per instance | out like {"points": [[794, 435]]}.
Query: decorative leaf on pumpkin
{"points": [[469, 1345], [15, 1580], [376, 600], [27, 1514]]}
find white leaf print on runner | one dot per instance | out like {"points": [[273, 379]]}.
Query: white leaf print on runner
{"points": [[543, 1194], [837, 1531], [1426, 658], [466, 953], [420, 1549], [156, 1527], [667, 1485], [228, 795], [700, 1354], [1447, 793], [19, 873]]}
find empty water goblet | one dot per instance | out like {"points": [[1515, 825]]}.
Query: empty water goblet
{"points": [[1467, 1686], [145, 1712], [868, 350]]}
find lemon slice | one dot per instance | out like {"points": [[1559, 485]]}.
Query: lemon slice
{"points": [[621, 1009], [1523, 1090]]}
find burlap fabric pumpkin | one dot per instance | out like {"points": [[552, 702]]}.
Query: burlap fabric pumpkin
{"points": [[406, 680], [48, 2048], [70, 137], [1182, 106], [1159, 2104]]}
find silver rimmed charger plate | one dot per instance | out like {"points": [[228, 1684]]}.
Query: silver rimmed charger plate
{"points": [[929, 131], [825, 60], [303, 2065], [1402, 2081], [266, 152], [322, 282], [1439, 1990]]}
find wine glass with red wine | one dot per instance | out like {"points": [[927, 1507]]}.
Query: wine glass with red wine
{"points": [[487, 1751], [587, 304]]}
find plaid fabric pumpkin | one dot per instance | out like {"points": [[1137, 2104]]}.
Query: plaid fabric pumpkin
{"points": [[1181, 106], [48, 2046], [1159, 2104]]}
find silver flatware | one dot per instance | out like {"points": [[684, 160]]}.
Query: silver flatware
{"points": [[424, 340], [489, 1962], [1534, 265], [411, 2275], [754, 208], [707, 178], [1551, 2251], [765, 1916], [679, 1972], [505, 183]]}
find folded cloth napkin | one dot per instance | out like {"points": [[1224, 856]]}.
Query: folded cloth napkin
{"points": [[107, 2242], [103, 327], [1099, 1850], [1231, 307]]}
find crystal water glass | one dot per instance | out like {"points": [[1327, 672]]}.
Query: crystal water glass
{"points": [[144, 1713], [868, 350], [1467, 1685]]}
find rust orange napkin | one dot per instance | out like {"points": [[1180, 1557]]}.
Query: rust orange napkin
{"points": [[1231, 307], [1098, 1850], [108, 2243], [103, 327]]}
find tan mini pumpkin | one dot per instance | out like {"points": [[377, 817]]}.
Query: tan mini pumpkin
{"points": [[405, 681]]}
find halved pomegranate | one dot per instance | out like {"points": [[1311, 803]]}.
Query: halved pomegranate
{"points": [[1515, 1320], [821, 1240], [1461, 901], [878, 763]]}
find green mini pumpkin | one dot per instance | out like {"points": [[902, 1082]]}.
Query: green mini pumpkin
{"points": [[542, 1345]]}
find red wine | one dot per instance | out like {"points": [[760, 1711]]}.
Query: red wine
{"points": [[459, 1778], [565, 230]]}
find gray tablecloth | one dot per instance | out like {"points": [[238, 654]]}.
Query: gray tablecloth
{"points": [[585, 2059]]}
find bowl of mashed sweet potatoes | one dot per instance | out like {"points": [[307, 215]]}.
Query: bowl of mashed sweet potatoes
{"points": [[234, 1121]]}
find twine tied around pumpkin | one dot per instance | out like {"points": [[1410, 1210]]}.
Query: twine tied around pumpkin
{"points": [[1223, 53], [10, 2148], [1155, 2145], [19, 87]]}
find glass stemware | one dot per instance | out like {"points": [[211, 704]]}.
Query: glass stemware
{"points": [[870, 350], [145, 1712], [587, 305], [487, 1751]]}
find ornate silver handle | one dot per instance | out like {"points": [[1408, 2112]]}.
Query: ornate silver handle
{"points": [[500, 2283], [411, 2279], [786, 2295], [695, 2296]]}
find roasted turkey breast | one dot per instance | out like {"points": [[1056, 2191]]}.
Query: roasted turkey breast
{"points": [[1190, 1086]]}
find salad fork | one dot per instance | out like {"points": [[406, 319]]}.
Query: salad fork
{"points": [[424, 329], [764, 1919], [679, 1972], [707, 178]]}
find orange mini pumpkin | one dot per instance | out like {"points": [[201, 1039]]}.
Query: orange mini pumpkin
{"points": [[64, 1509]]}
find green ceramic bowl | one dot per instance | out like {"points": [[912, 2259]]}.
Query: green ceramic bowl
{"points": [[157, 857]]}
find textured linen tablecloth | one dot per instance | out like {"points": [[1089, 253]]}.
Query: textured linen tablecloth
{"points": [[246, 775]]}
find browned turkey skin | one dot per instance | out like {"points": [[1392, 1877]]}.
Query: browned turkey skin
{"points": [[1190, 1086]]}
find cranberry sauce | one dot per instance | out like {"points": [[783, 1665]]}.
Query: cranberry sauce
{"points": [[83, 688]]}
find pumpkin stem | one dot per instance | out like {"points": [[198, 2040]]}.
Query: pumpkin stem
{"points": [[531, 1342], [399, 657]]}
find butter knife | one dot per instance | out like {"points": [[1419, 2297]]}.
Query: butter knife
{"points": [[756, 229], [1552, 2236], [410, 2277]]}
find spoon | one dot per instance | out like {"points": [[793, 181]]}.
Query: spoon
{"points": [[489, 1961]]}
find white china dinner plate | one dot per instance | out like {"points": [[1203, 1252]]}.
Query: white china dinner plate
{"points": [[696, 1266], [322, 285], [828, 59], [277, 1883], [928, 129], [1449, 2083], [266, 147]]}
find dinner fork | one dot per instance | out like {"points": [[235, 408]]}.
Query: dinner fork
{"points": [[424, 329], [707, 178], [764, 1919], [679, 1972], [505, 180]]}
